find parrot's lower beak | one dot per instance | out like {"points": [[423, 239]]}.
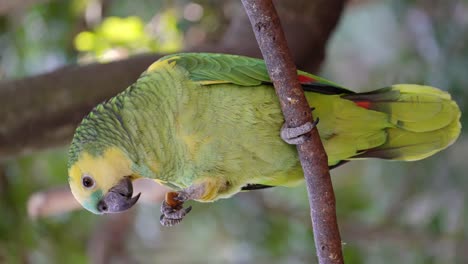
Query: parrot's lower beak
{"points": [[118, 198]]}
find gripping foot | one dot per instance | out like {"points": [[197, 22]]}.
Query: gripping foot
{"points": [[297, 135], [172, 208]]}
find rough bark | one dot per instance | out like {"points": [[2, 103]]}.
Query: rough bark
{"points": [[296, 110], [42, 111]]}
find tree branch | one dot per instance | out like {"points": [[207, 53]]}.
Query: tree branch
{"points": [[296, 110], [59, 200], [43, 111]]}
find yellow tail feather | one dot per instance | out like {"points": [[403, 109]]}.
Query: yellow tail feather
{"points": [[425, 120]]}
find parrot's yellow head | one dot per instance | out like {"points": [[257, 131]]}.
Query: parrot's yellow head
{"points": [[103, 183]]}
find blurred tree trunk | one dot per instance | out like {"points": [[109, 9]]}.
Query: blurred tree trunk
{"points": [[42, 111], [9, 6], [306, 24]]}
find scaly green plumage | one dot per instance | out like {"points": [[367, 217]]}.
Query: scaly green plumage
{"points": [[210, 117]]}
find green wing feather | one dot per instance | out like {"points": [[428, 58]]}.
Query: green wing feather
{"points": [[239, 70]]}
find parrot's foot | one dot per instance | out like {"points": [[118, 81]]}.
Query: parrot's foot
{"points": [[297, 135], [172, 208]]}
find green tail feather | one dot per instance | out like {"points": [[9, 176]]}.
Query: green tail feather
{"points": [[425, 120]]}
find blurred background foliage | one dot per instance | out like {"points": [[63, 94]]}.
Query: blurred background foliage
{"points": [[389, 212]]}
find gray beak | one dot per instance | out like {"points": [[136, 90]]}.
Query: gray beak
{"points": [[118, 198]]}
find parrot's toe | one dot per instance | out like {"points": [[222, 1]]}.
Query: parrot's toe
{"points": [[168, 222], [181, 196], [172, 209], [172, 216], [297, 135]]}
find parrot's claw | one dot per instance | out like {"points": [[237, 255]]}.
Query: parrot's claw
{"points": [[181, 197], [172, 216], [172, 208], [169, 222], [297, 135]]}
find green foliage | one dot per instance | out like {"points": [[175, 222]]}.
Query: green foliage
{"points": [[128, 36], [37, 40]]}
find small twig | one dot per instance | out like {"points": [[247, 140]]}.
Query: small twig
{"points": [[58, 200], [55, 200], [296, 110]]}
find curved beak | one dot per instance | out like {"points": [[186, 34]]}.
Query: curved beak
{"points": [[118, 198]]}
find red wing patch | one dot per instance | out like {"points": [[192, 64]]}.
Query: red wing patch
{"points": [[363, 104], [305, 79]]}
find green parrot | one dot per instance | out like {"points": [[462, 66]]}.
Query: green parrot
{"points": [[208, 126]]}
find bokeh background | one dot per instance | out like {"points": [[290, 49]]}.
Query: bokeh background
{"points": [[389, 212]]}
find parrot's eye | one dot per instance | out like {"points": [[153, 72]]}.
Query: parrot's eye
{"points": [[88, 182]]}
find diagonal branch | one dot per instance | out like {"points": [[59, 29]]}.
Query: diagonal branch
{"points": [[42, 111], [296, 110]]}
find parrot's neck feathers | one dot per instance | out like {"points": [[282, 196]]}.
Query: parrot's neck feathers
{"points": [[150, 150]]}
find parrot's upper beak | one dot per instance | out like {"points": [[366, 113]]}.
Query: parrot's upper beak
{"points": [[118, 198]]}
